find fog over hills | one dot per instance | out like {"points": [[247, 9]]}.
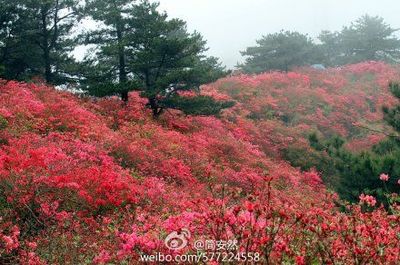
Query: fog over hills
{"points": [[230, 26]]}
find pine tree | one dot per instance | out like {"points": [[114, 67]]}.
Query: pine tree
{"points": [[107, 69], [280, 51], [331, 48], [19, 57], [166, 59], [35, 38], [156, 56], [370, 38], [52, 22]]}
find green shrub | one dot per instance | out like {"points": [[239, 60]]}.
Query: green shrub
{"points": [[3, 123]]}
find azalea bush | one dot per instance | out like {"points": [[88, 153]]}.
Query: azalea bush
{"points": [[86, 181]]}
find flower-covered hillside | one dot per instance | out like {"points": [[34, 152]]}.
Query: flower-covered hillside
{"points": [[96, 181], [345, 101]]}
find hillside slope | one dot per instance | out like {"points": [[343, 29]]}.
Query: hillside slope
{"points": [[344, 101], [84, 180]]}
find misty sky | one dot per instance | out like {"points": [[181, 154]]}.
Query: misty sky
{"points": [[230, 26]]}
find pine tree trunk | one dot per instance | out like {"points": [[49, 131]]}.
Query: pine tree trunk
{"points": [[122, 64], [121, 55], [46, 49], [157, 111], [124, 96], [48, 73]]}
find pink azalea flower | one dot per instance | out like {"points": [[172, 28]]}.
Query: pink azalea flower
{"points": [[384, 177], [368, 199]]}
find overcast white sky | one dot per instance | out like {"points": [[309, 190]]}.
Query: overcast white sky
{"points": [[230, 26]]}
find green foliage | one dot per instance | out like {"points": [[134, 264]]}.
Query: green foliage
{"points": [[392, 116], [3, 123], [165, 59], [35, 38], [103, 89], [395, 89], [104, 70], [356, 173], [280, 51], [266, 113], [329, 156], [368, 38], [3, 126], [19, 57], [307, 160], [142, 49], [330, 47]]}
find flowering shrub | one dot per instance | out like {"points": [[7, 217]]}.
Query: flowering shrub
{"points": [[368, 199], [93, 181]]}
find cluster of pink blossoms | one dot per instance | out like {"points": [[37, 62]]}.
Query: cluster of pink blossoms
{"points": [[368, 199]]}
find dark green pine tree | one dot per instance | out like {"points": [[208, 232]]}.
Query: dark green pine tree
{"points": [[165, 58], [50, 28], [280, 51], [160, 59], [19, 57], [105, 69]]}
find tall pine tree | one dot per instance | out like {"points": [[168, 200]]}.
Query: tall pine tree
{"points": [[370, 38], [280, 51], [36, 38], [52, 22], [106, 68], [142, 49], [19, 56], [165, 58]]}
